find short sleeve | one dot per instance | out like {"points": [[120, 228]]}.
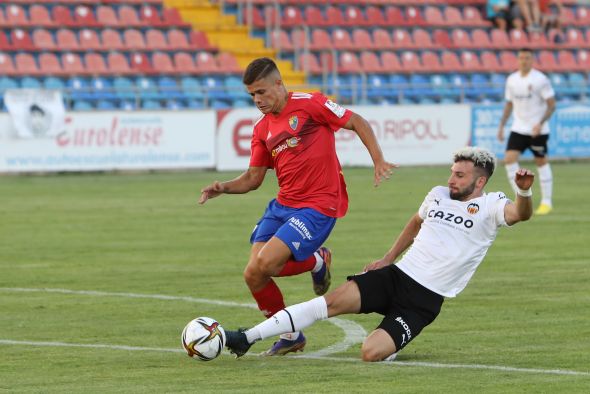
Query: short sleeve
{"points": [[507, 91], [328, 112], [545, 88], [497, 203], [259, 156], [423, 210]]}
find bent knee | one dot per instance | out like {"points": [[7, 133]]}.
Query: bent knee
{"points": [[370, 354]]}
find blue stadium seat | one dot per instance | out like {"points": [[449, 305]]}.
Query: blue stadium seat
{"points": [[79, 89], [497, 85], [169, 88], [420, 88], [559, 83], [214, 88], [54, 83], [151, 104], [174, 105], [102, 89], [106, 105], [30, 83], [377, 87], [400, 86], [577, 85], [441, 87], [7, 83], [82, 105], [148, 89], [219, 104], [195, 104], [240, 103], [124, 90], [127, 105], [192, 89], [479, 87], [460, 84], [235, 88]]}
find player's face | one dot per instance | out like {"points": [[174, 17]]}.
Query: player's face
{"points": [[525, 61], [268, 94], [462, 181]]}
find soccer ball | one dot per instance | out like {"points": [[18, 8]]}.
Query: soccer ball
{"points": [[203, 338]]}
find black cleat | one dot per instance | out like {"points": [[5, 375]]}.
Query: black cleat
{"points": [[236, 342]]}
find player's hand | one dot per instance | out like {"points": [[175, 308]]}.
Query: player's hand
{"points": [[537, 130], [524, 179], [211, 191], [501, 133], [383, 170], [375, 265]]}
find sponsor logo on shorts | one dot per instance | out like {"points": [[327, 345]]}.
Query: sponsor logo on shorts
{"points": [[405, 327], [300, 227]]}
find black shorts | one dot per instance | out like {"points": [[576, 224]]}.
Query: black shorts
{"points": [[520, 142], [408, 306]]}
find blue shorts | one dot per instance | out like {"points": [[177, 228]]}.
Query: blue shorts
{"points": [[303, 230]]}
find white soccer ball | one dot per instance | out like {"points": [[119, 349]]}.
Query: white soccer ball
{"points": [[203, 338]]}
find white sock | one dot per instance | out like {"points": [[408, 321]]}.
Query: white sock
{"points": [[319, 262], [546, 181], [290, 336], [511, 173], [290, 319]]}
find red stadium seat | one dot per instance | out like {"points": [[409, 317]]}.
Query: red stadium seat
{"points": [[6, 65], [575, 38], [162, 63], [21, 39], [349, 63], [177, 39], [353, 16], [320, 40], [414, 17], [566, 62], [472, 17], [309, 62], [362, 39], [508, 61], [89, 39], [546, 61], [375, 16], [370, 62], [128, 16], [471, 62], [461, 38], [430, 62], [410, 62], [442, 39], [183, 63], [228, 63], [95, 63], [583, 16], [402, 39], [281, 39], [450, 61], [539, 40], [155, 39], [106, 16], [83, 16], [422, 39], [62, 16], [199, 40], [518, 39], [139, 62], [299, 39], [171, 17], [480, 39], [292, 17], [490, 61], [394, 16], [39, 16], [390, 62], [583, 58], [49, 64], [341, 39], [4, 43], [117, 63], [43, 39], [205, 63], [66, 39], [25, 64], [149, 16], [434, 16], [500, 39], [15, 16], [314, 16], [72, 64], [382, 39], [453, 17], [334, 16], [111, 39]]}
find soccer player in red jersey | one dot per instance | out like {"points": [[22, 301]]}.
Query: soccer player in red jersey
{"points": [[295, 137]]}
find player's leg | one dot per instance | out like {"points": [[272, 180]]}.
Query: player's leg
{"points": [[517, 143], [378, 346], [539, 149]]}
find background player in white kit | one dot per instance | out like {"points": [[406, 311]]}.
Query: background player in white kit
{"points": [[529, 93], [449, 237]]}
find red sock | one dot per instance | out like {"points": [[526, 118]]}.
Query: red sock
{"points": [[293, 267], [269, 299]]}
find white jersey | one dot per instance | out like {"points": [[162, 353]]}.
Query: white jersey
{"points": [[452, 240], [529, 96]]}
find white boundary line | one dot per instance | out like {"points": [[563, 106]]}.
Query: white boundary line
{"points": [[351, 329]]}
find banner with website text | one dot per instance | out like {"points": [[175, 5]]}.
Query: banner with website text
{"points": [[408, 135], [91, 141]]}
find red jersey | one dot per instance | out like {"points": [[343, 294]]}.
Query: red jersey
{"points": [[299, 144]]}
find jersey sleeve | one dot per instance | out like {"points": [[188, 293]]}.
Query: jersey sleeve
{"points": [[507, 91], [259, 156], [423, 210], [328, 112], [496, 206], [545, 88]]}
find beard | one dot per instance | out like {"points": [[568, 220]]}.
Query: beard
{"points": [[461, 194]]}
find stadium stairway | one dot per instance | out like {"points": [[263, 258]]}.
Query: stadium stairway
{"points": [[224, 32]]}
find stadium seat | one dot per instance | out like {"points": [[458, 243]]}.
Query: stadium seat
{"points": [[471, 62], [258, 20], [133, 39], [434, 16], [53, 83], [583, 58], [460, 84], [184, 63], [4, 43], [546, 61], [148, 89], [490, 61], [519, 39], [15, 16], [480, 39], [149, 16], [400, 86], [508, 61], [430, 62], [177, 40], [106, 105], [205, 63], [394, 16], [410, 62], [349, 63], [566, 61], [292, 17], [442, 39], [390, 62], [79, 89], [82, 105], [441, 87], [39, 16], [320, 40], [420, 87], [151, 105], [140, 62], [450, 61], [171, 17], [83, 16], [62, 16], [162, 63], [195, 104], [89, 39], [30, 83], [309, 62], [375, 16], [228, 63], [421, 39], [199, 40], [538, 40], [582, 16], [6, 82], [370, 62], [281, 39], [25, 64], [413, 16], [43, 39], [95, 63], [461, 38], [102, 89], [453, 17], [472, 17], [107, 16], [382, 39], [575, 39], [155, 39], [128, 105], [497, 85], [333, 16], [124, 88], [577, 85], [67, 40], [111, 40], [353, 16], [402, 39], [49, 64], [72, 64], [191, 88], [117, 63], [128, 16], [214, 89], [341, 39], [21, 39], [361, 39], [175, 105], [500, 39]]}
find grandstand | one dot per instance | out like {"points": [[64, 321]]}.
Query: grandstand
{"points": [[176, 54]]}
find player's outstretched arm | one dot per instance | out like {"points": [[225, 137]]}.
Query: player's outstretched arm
{"points": [[522, 209], [505, 116], [251, 179], [383, 169]]}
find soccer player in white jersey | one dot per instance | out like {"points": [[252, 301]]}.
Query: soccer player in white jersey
{"points": [[530, 95], [447, 239]]}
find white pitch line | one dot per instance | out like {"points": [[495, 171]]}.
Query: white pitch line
{"points": [[353, 332], [312, 357]]}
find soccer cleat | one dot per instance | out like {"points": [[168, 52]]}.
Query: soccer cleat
{"points": [[543, 209], [321, 279], [284, 346], [236, 342]]}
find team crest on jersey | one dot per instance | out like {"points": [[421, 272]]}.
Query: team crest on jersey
{"points": [[293, 122], [473, 208]]}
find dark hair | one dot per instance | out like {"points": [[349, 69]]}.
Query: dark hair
{"points": [[258, 69], [36, 108], [525, 49]]}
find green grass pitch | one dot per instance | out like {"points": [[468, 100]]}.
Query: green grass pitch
{"points": [[521, 325]]}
